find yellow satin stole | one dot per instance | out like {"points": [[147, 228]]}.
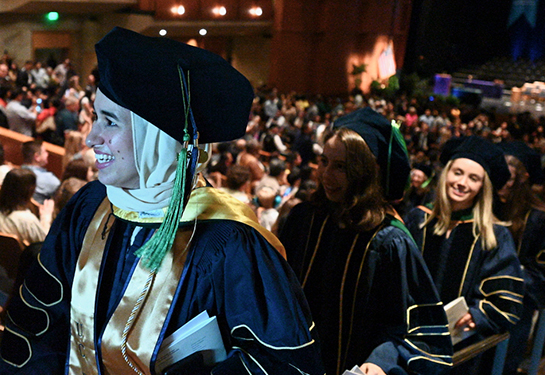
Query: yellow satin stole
{"points": [[204, 204]]}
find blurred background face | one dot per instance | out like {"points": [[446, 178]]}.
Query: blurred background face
{"points": [[332, 170], [417, 178], [505, 192], [464, 181], [43, 157], [3, 70]]}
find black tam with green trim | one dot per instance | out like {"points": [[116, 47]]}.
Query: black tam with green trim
{"points": [[141, 73], [386, 143]]}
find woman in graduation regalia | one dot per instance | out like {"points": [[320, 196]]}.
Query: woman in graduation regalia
{"points": [[468, 252], [369, 291], [518, 204], [136, 255]]}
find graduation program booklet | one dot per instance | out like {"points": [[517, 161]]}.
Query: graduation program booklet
{"points": [[200, 334], [455, 310]]}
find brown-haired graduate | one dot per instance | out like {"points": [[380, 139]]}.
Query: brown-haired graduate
{"points": [[369, 291], [469, 252], [141, 252]]}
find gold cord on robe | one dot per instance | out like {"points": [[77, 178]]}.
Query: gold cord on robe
{"points": [[144, 334], [204, 204]]}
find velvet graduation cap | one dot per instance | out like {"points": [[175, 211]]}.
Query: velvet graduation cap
{"points": [[386, 143], [529, 157], [189, 93], [142, 74], [482, 151], [424, 168]]}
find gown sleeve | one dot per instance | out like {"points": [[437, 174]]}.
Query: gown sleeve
{"points": [[495, 300], [270, 324], [261, 310], [532, 258], [37, 333], [415, 335]]}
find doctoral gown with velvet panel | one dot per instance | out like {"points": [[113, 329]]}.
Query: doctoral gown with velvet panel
{"points": [[491, 281], [370, 294], [231, 271], [531, 252]]}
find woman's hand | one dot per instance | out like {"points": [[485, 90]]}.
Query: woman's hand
{"points": [[466, 321], [371, 369]]}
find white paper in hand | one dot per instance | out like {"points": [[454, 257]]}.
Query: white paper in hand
{"points": [[200, 334], [355, 371], [455, 310]]}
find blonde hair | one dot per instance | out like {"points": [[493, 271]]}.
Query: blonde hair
{"points": [[483, 217]]}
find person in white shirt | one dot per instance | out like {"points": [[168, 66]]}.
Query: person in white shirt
{"points": [[20, 118]]}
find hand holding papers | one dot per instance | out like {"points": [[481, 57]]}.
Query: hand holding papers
{"points": [[355, 371], [455, 310], [200, 334]]}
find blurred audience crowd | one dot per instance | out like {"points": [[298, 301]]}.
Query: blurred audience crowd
{"points": [[272, 168]]}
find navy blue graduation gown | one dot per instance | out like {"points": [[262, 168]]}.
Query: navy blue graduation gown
{"points": [[491, 281], [231, 271], [370, 294], [531, 252]]}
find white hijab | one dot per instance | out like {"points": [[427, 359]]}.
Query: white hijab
{"points": [[155, 155]]}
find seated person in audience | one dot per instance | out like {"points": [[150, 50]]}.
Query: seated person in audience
{"points": [[518, 204], [238, 183], [20, 118], [250, 158], [67, 118], [275, 178], [79, 169], [46, 128], [220, 163], [75, 176], [468, 251], [64, 193], [368, 288], [15, 215], [74, 146], [35, 158], [272, 141], [302, 194], [266, 202]]}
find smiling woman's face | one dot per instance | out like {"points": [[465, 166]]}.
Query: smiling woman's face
{"points": [[332, 170], [111, 139], [464, 181]]}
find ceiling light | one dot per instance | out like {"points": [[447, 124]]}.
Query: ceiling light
{"points": [[179, 10], [202, 32], [219, 11], [256, 11]]}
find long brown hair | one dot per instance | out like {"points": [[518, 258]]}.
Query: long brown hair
{"points": [[17, 190], [364, 207], [521, 199]]}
